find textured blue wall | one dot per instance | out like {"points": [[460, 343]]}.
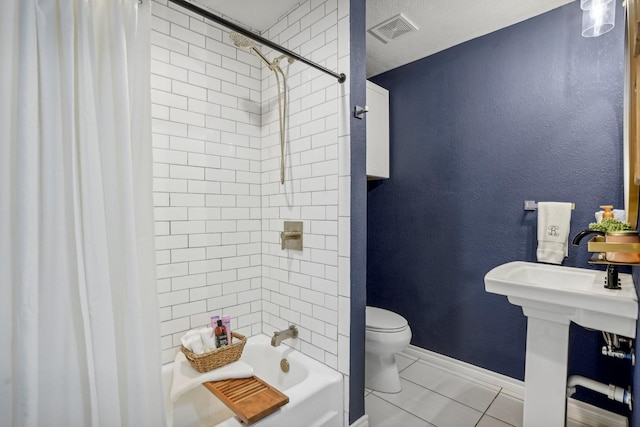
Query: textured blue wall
{"points": [[531, 112], [357, 81]]}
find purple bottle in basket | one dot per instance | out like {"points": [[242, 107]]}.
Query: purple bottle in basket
{"points": [[226, 322]]}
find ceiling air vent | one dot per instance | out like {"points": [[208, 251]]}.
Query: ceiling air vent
{"points": [[392, 28]]}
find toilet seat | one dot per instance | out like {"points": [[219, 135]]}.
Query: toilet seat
{"points": [[384, 321]]}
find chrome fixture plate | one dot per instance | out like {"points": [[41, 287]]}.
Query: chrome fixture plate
{"points": [[291, 237]]}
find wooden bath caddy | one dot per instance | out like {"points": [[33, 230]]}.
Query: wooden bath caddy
{"points": [[250, 398]]}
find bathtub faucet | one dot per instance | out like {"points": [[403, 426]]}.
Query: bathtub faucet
{"points": [[291, 332]]}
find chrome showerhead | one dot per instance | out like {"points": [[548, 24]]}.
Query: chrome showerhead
{"points": [[241, 41]]}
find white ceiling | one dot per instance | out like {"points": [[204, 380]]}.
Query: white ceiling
{"points": [[441, 23], [258, 15]]}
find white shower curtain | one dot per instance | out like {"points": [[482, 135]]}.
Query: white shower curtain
{"points": [[79, 316]]}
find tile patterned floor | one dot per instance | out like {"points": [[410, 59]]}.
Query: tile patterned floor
{"points": [[434, 397]]}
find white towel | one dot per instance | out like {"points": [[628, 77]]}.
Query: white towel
{"points": [[186, 378], [554, 220], [618, 214], [186, 338]]}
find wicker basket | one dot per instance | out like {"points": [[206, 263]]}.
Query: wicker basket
{"points": [[218, 357]]}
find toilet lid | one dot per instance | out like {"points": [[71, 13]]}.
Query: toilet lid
{"points": [[381, 320]]}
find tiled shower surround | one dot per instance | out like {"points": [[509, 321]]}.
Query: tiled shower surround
{"points": [[219, 205]]}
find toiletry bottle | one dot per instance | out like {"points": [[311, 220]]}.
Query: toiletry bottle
{"points": [[214, 321], [221, 335], [226, 322], [607, 211]]}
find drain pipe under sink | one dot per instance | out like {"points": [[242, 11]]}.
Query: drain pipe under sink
{"points": [[611, 391]]}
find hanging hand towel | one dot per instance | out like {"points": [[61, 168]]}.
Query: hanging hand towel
{"points": [[554, 220]]}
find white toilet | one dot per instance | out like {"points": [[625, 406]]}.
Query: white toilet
{"points": [[387, 333]]}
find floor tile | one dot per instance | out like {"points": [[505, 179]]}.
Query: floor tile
{"points": [[431, 406], [452, 386], [510, 410], [383, 414], [403, 361], [487, 421], [507, 409], [434, 397], [574, 423]]}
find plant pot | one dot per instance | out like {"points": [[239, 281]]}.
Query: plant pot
{"points": [[627, 236]]}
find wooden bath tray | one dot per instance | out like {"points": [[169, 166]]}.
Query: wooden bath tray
{"points": [[250, 398]]}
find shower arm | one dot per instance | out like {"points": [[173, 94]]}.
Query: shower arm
{"points": [[243, 42], [261, 56], [206, 14]]}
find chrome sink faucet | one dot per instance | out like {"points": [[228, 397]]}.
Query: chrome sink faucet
{"points": [[291, 332]]}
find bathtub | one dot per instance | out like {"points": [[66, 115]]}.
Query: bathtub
{"points": [[315, 391]]}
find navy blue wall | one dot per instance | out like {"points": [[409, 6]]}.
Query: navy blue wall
{"points": [[357, 81], [531, 112]]}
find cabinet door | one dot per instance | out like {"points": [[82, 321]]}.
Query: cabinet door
{"points": [[377, 132]]}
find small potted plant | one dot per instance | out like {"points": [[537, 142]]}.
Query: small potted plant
{"points": [[609, 224], [617, 232]]}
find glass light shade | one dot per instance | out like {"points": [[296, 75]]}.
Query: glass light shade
{"points": [[589, 4], [599, 19]]}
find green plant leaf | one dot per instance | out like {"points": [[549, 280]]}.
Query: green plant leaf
{"points": [[610, 224]]}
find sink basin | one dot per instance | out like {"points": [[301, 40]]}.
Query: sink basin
{"points": [[575, 294], [551, 297]]}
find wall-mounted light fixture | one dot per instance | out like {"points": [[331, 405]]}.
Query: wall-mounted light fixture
{"points": [[598, 17]]}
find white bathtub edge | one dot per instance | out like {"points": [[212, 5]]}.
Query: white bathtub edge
{"points": [[319, 382]]}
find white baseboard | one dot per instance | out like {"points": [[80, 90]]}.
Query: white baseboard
{"points": [[576, 409], [363, 421], [510, 386]]}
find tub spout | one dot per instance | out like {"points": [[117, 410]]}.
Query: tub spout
{"points": [[291, 332]]}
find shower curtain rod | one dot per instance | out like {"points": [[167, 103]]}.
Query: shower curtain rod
{"points": [[195, 9]]}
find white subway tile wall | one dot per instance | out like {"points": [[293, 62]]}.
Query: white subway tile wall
{"points": [[303, 287], [207, 152], [219, 205]]}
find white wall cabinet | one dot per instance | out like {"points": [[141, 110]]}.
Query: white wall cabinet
{"points": [[377, 132]]}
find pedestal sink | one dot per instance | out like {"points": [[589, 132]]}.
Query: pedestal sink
{"points": [[551, 297]]}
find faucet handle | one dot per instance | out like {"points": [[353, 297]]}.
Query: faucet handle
{"points": [[289, 235]]}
